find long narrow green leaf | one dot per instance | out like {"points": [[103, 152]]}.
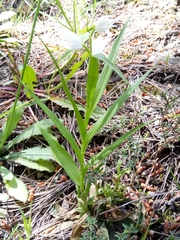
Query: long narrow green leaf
{"points": [[11, 125], [113, 109], [64, 131], [103, 58], [11, 120], [34, 154], [66, 59], [81, 125], [106, 151], [32, 130], [24, 105], [65, 103], [39, 165], [64, 15], [76, 66], [92, 79], [107, 70], [63, 158], [112, 66]]}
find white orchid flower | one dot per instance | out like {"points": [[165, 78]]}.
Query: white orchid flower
{"points": [[98, 45], [71, 40], [104, 23]]}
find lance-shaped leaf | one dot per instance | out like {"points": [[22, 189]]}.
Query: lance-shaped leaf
{"points": [[64, 131], [63, 158], [32, 130], [92, 80], [107, 70], [39, 165], [108, 150], [29, 79], [77, 65], [103, 58], [80, 121], [65, 103], [34, 158], [11, 122]]}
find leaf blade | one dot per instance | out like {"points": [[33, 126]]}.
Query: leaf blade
{"points": [[63, 158], [106, 151], [92, 79], [15, 187], [113, 109], [65, 103], [107, 70], [29, 78], [32, 130], [11, 122], [39, 164]]}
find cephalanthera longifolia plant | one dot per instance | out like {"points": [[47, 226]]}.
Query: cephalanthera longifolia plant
{"points": [[90, 46]]}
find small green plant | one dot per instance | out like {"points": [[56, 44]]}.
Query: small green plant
{"points": [[113, 192], [90, 47], [128, 233], [90, 231], [26, 224], [13, 232], [93, 232]]}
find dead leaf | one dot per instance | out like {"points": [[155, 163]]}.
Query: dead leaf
{"points": [[78, 227]]}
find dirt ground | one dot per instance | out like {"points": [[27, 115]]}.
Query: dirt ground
{"points": [[152, 154]]}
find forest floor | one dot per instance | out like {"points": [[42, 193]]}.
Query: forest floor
{"points": [[150, 158]]}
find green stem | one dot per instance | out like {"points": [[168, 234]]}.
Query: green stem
{"points": [[64, 14], [75, 16]]}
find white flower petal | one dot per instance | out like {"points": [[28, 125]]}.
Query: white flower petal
{"points": [[104, 23], [71, 40], [98, 46]]}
